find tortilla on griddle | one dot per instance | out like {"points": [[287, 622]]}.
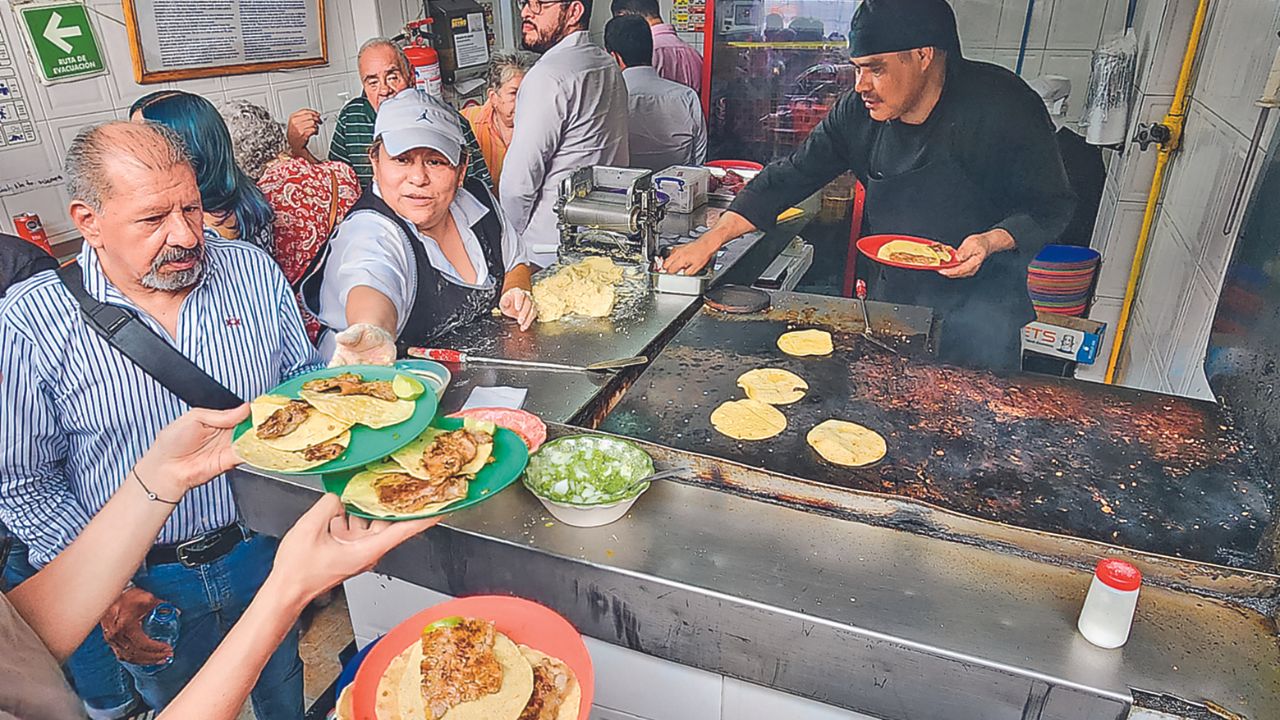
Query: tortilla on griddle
{"points": [[845, 443], [773, 385], [360, 409], [806, 342], [748, 420], [568, 698], [258, 453], [506, 704], [317, 428]]}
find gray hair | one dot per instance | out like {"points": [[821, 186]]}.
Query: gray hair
{"points": [[504, 66], [256, 138], [97, 148], [401, 59]]}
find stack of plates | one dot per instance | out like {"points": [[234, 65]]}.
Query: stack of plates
{"points": [[1060, 279]]}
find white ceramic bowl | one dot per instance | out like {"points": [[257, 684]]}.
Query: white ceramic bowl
{"points": [[589, 515]]}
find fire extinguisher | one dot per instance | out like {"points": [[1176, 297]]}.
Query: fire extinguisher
{"points": [[31, 229], [424, 58]]}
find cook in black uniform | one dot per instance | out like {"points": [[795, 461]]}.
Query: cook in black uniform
{"points": [[958, 151]]}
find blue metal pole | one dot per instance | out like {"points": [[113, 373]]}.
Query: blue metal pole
{"points": [[1026, 32]]}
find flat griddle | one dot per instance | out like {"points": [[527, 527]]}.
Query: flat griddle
{"points": [[1140, 470]]}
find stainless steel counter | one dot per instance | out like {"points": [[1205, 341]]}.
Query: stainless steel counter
{"points": [[876, 619]]}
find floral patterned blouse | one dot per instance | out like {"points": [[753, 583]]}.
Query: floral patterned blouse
{"points": [[304, 196]]}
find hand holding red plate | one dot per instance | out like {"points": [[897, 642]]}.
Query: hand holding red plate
{"points": [[975, 250]]}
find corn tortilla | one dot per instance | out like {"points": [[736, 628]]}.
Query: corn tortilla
{"points": [[845, 443], [257, 453], [928, 256], [748, 420], [317, 428], [361, 493], [806, 342], [773, 385], [360, 409]]}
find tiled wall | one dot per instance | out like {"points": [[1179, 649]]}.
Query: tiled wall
{"points": [[1061, 40], [61, 110], [1189, 248]]}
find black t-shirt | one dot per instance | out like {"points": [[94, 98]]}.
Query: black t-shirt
{"points": [[995, 124], [20, 260]]}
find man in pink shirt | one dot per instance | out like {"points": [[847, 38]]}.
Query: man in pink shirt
{"points": [[673, 58]]}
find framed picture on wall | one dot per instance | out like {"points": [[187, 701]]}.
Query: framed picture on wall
{"points": [[187, 39]]}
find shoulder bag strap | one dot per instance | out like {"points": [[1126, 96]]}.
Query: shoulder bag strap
{"points": [[138, 342]]}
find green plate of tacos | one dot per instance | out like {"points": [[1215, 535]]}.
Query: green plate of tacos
{"points": [[455, 463], [335, 419]]}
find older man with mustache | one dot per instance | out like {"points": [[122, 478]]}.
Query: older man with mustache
{"points": [[78, 413]]}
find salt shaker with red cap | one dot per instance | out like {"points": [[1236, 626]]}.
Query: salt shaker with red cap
{"points": [[1108, 609]]}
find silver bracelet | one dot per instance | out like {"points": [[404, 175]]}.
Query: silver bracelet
{"points": [[150, 495]]}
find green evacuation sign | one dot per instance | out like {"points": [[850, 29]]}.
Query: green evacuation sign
{"points": [[63, 41]]}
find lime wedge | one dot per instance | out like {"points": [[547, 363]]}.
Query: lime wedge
{"points": [[406, 388]]}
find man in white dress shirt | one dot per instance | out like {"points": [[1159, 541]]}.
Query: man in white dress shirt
{"points": [[666, 125], [571, 112]]}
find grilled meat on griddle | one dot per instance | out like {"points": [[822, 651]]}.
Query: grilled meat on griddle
{"points": [[285, 420], [352, 384], [404, 493], [459, 665]]}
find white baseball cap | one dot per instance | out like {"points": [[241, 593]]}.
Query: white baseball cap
{"points": [[415, 119]]}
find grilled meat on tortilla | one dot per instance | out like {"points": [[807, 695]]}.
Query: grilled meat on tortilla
{"points": [[285, 420], [325, 451], [449, 453], [459, 665], [404, 493], [352, 384], [556, 695]]}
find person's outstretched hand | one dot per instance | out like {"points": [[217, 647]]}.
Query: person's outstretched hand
{"points": [[191, 451], [363, 344], [327, 546], [517, 304]]}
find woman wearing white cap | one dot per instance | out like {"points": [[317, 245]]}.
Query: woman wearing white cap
{"points": [[423, 251]]}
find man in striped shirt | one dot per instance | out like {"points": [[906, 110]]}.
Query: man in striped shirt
{"points": [[384, 72], [77, 413]]}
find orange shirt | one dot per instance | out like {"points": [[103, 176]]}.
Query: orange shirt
{"points": [[492, 146]]}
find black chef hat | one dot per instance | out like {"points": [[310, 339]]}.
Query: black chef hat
{"points": [[884, 26]]}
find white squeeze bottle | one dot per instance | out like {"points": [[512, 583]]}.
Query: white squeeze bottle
{"points": [[1108, 609]]}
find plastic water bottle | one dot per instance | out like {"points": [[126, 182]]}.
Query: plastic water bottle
{"points": [[162, 625]]}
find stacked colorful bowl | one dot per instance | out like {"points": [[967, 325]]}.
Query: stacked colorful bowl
{"points": [[1060, 279]]}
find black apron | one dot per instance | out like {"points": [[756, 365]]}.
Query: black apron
{"points": [[978, 319], [440, 304]]}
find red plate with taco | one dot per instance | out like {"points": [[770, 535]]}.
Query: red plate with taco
{"points": [[487, 657], [908, 252]]}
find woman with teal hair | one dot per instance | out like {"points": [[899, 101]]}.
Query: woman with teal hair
{"points": [[233, 204]]}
